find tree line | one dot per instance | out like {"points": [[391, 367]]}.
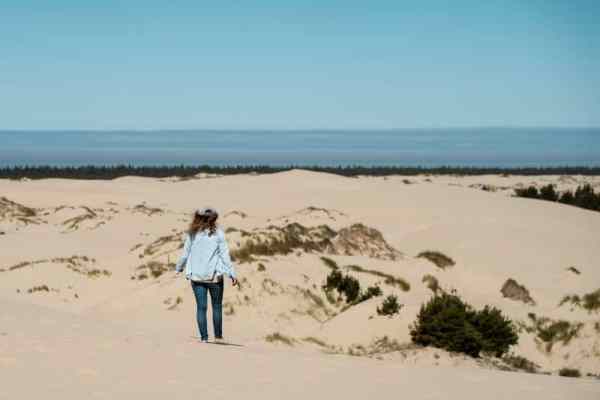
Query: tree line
{"points": [[161, 171]]}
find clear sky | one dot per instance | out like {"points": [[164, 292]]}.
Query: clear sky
{"points": [[298, 64]]}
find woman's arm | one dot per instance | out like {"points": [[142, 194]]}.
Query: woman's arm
{"points": [[224, 254], [184, 255]]}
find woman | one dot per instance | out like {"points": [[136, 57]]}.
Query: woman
{"points": [[206, 259]]}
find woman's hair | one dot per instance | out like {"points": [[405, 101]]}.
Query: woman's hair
{"points": [[201, 223]]}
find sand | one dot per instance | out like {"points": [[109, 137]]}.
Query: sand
{"points": [[79, 317]]}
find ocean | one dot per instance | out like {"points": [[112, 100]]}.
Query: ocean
{"points": [[491, 147]]}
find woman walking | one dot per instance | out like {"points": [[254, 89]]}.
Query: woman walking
{"points": [[206, 260]]}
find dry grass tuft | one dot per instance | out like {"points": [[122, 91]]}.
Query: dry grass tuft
{"points": [[512, 290], [440, 260], [277, 337]]}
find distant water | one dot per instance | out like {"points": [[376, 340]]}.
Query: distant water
{"points": [[503, 147]]}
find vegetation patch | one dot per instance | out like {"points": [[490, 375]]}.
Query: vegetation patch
{"points": [[382, 345], [574, 270], [520, 363], [316, 341], [317, 308], [176, 303], [10, 210], [514, 291], [569, 372], [157, 245], [440, 260], [25, 264], [72, 224], [551, 332], [274, 240], [261, 267], [42, 288], [390, 306], [432, 283], [589, 301], [372, 291], [228, 309], [388, 279], [134, 248], [271, 287], [583, 197], [316, 212], [79, 264], [240, 214], [283, 240], [344, 284], [149, 211], [154, 269], [359, 239], [277, 337], [447, 322], [329, 262]]}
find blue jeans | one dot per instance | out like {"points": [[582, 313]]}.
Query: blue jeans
{"points": [[216, 299]]}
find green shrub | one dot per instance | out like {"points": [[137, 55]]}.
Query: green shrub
{"points": [[530, 193], [591, 301], [344, 284], [389, 306], [441, 261], [449, 323], [548, 193], [567, 197], [586, 198], [497, 331], [569, 372], [372, 291]]}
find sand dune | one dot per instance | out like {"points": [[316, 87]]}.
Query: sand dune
{"points": [[86, 285]]}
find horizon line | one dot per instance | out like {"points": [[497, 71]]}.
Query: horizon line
{"points": [[271, 129]]}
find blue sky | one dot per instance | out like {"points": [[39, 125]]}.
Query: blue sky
{"points": [[298, 64]]}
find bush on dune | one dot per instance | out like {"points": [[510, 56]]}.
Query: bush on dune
{"points": [[349, 287], [344, 284], [447, 322], [389, 306], [584, 196], [569, 372], [372, 291]]}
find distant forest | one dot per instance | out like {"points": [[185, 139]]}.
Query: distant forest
{"points": [[116, 171]]}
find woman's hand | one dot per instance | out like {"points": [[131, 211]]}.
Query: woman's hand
{"points": [[234, 281]]}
